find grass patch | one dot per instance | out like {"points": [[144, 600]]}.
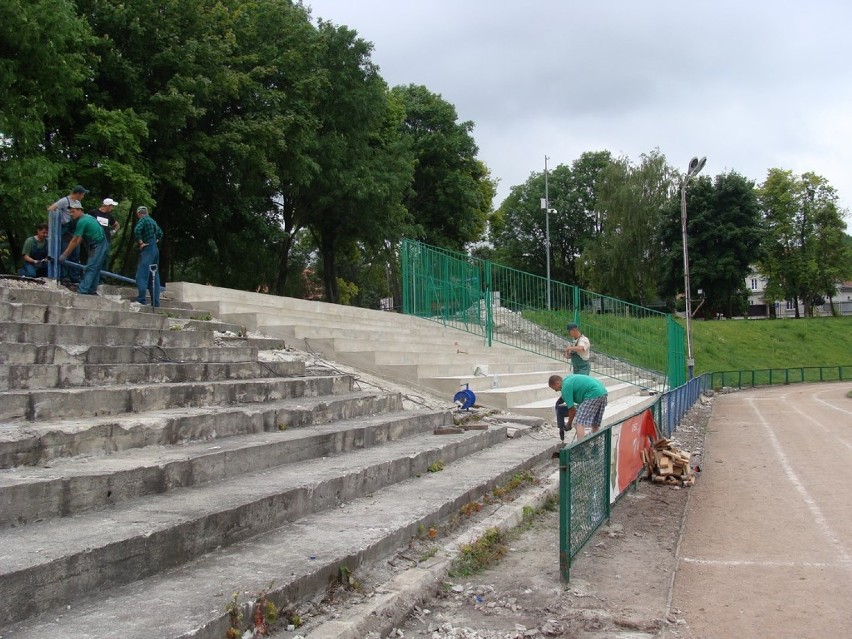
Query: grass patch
{"points": [[718, 345], [482, 553]]}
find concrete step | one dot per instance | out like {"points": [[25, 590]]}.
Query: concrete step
{"points": [[155, 533], [74, 485], [16, 354], [256, 342], [616, 409], [291, 562], [510, 397], [129, 293], [136, 398], [484, 382], [44, 376], [63, 315], [40, 443], [74, 335]]}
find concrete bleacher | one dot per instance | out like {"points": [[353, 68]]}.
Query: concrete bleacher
{"points": [[421, 352], [152, 464]]}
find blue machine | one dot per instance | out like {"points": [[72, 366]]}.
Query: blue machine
{"points": [[464, 399]]}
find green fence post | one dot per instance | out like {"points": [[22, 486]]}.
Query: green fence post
{"points": [[564, 516]]}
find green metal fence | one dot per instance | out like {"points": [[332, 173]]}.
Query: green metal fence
{"points": [[632, 343], [770, 376]]}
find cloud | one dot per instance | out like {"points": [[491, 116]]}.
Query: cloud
{"points": [[750, 85]]}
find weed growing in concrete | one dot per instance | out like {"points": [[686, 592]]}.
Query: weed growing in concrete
{"points": [[235, 618], [428, 554], [436, 467], [421, 530], [346, 578], [482, 553], [470, 508]]}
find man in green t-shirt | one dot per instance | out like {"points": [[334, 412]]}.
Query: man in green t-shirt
{"points": [[585, 400], [34, 253], [90, 231]]}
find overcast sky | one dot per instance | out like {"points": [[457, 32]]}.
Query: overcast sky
{"points": [[750, 84]]}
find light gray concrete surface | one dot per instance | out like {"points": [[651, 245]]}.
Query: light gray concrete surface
{"points": [[767, 548]]}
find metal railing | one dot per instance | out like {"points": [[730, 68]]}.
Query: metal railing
{"points": [[629, 342], [586, 472], [772, 376]]}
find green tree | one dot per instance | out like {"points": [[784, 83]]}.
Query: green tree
{"points": [[723, 228], [624, 259], [803, 252], [519, 228], [43, 66], [364, 165], [451, 195]]}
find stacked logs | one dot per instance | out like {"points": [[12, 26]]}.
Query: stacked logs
{"points": [[667, 464]]}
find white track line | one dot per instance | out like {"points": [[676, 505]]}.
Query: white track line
{"points": [[765, 564], [819, 518]]}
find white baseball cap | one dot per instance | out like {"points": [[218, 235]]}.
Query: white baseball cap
{"points": [[109, 202]]}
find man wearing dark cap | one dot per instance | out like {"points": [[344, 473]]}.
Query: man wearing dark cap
{"points": [[579, 352], [147, 233], [87, 229], [63, 205]]}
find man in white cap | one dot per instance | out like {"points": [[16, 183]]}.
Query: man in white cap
{"points": [[103, 214]]}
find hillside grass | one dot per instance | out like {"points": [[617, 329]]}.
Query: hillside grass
{"points": [[718, 345], [728, 345]]}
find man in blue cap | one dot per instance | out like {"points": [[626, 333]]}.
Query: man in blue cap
{"points": [[89, 231]]}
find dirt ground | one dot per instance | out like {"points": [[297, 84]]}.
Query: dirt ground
{"points": [[620, 582]]}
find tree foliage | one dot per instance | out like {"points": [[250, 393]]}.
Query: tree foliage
{"points": [[723, 229], [520, 227], [804, 253], [624, 259]]}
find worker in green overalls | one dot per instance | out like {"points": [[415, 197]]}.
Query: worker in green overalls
{"points": [[580, 351]]}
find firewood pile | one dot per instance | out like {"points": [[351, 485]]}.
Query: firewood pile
{"points": [[665, 463]]}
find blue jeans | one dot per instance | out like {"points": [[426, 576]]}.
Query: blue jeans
{"points": [[92, 272], [68, 272], [148, 256], [31, 270]]}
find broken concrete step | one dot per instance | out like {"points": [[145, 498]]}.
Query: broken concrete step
{"points": [[42, 376], [75, 485], [49, 296], [152, 534], [260, 343], [31, 443], [103, 336], [81, 354], [63, 315], [71, 403], [299, 560]]}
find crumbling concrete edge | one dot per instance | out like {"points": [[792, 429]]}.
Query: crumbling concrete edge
{"points": [[394, 600]]}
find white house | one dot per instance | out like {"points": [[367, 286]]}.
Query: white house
{"points": [[758, 306]]}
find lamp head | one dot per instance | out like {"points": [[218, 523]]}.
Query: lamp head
{"points": [[695, 166]]}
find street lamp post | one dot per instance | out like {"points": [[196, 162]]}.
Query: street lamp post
{"points": [[695, 166], [545, 204]]}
